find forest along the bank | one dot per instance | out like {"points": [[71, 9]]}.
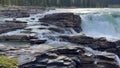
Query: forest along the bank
{"points": [[62, 3], [27, 42]]}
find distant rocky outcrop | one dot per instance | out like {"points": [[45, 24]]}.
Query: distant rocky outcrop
{"points": [[72, 57], [63, 20]]}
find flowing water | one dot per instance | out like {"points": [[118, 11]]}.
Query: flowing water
{"points": [[96, 22]]}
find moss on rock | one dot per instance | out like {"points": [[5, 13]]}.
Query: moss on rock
{"points": [[6, 62]]}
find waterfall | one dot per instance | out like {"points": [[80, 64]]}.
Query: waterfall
{"points": [[101, 25], [112, 20]]}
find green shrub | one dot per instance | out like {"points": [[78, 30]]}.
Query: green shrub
{"points": [[6, 62]]}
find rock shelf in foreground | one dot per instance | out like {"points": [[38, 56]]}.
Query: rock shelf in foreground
{"points": [[72, 57]]}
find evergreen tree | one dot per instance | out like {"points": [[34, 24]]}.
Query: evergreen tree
{"points": [[60, 3]]}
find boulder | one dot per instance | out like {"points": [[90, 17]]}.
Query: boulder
{"points": [[63, 20]]}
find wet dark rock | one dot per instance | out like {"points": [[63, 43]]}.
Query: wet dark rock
{"points": [[71, 57], [15, 21], [45, 24], [9, 26], [32, 18], [81, 39], [65, 20], [21, 38], [33, 37], [105, 58], [41, 28], [56, 30], [86, 60], [37, 41]]}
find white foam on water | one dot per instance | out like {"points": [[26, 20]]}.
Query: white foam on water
{"points": [[101, 25]]}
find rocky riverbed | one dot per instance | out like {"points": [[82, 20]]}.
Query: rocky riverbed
{"points": [[55, 41]]}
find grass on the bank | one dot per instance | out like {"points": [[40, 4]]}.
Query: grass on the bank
{"points": [[6, 62]]}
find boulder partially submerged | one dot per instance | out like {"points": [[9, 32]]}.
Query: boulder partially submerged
{"points": [[64, 20]]}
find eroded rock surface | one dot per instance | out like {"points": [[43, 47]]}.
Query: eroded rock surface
{"points": [[72, 57]]}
